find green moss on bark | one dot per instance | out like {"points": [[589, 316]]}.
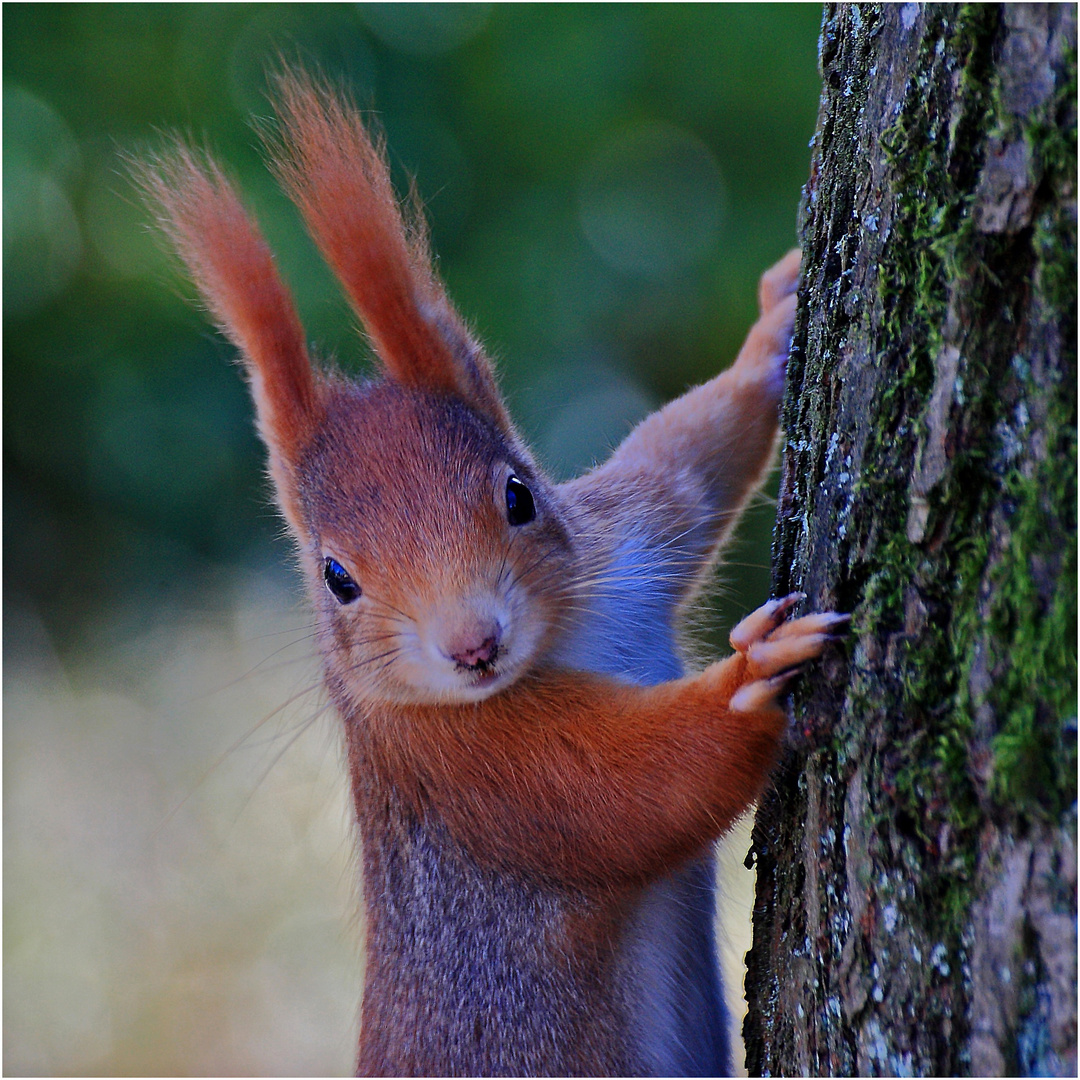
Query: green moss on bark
{"points": [[928, 487]]}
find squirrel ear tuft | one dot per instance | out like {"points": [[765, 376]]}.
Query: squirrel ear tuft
{"points": [[234, 271], [338, 177]]}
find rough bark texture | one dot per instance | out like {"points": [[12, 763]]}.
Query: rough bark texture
{"points": [[916, 906]]}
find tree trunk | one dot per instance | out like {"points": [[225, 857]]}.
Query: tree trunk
{"points": [[916, 891]]}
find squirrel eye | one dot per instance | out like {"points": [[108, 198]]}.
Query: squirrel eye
{"points": [[520, 508], [339, 583]]}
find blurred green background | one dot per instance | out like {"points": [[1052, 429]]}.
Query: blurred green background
{"points": [[605, 183]]}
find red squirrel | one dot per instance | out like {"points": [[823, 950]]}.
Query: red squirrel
{"points": [[536, 781]]}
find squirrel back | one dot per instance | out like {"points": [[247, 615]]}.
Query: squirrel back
{"points": [[537, 783]]}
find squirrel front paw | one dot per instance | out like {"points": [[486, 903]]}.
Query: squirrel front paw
{"points": [[762, 360], [779, 281], [776, 650]]}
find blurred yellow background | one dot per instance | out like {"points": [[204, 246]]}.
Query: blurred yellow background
{"points": [[605, 184], [172, 905]]}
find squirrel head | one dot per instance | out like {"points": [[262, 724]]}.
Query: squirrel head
{"points": [[437, 554]]}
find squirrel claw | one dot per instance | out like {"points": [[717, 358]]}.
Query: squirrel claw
{"points": [[777, 649], [760, 623], [823, 622], [776, 654], [761, 694]]}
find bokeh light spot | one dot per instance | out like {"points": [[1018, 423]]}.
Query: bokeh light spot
{"points": [[42, 240], [650, 201], [425, 29], [600, 412]]}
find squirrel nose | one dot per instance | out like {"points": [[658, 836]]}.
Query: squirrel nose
{"points": [[477, 647], [484, 653]]}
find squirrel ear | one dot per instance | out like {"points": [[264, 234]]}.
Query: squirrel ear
{"points": [[338, 177], [235, 274]]}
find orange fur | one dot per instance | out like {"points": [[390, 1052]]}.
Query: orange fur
{"points": [[339, 178], [595, 783], [239, 282], [512, 803]]}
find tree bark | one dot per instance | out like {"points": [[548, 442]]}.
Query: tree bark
{"points": [[916, 891]]}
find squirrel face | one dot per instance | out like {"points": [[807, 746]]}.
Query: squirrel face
{"points": [[436, 552]]}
